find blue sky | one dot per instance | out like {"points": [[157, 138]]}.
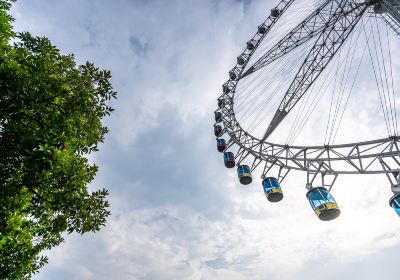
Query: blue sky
{"points": [[177, 213]]}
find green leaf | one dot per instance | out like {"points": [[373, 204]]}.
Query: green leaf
{"points": [[51, 114]]}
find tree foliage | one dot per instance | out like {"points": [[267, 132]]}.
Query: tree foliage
{"points": [[50, 120]]}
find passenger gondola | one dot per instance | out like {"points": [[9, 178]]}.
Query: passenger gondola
{"points": [[395, 203], [218, 117], [221, 103], [233, 74], [218, 130], [241, 60], [244, 174], [225, 88], [251, 45], [229, 159], [323, 204], [262, 29], [272, 189], [275, 12], [221, 145]]}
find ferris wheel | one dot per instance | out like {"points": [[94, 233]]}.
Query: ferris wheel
{"points": [[312, 60]]}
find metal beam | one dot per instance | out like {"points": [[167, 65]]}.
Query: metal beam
{"points": [[311, 26], [327, 45]]}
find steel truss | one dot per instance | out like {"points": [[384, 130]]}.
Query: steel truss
{"points": [[331, 38], [324, 16], [389, 11], [382, 156]]}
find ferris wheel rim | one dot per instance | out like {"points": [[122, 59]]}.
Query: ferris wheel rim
{"points": [[235, 130]]}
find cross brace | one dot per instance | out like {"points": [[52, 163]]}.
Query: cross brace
{"points": [[327, 45]]}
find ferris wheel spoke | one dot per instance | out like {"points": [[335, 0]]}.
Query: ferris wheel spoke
{"points": [[328, 38], [328, 43], [326, 15]]}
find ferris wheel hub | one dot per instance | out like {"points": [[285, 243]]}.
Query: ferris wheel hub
{"points": [[371, 2], [379, 9]]}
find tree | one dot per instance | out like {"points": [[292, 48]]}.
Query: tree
{"points": [[50, 120]]}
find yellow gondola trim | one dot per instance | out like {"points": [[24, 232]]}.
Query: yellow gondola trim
{"points": [[274, 190], [331, 205], [328, 205]]}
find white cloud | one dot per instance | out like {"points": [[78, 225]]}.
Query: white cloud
{"points": [[257, 240]]}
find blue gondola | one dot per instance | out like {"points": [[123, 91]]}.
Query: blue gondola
{"points": [[244, 174], [272, 189], [229, 159], [323, 204], [221, 103], [394, 202], [221, 145], [217, 130], [232, 74], [275, 12], [241, 60], [218, 117], [262, 29], [251, 45], [226, 88]]}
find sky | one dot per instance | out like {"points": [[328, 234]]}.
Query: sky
{"points": [[177, 212]]}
